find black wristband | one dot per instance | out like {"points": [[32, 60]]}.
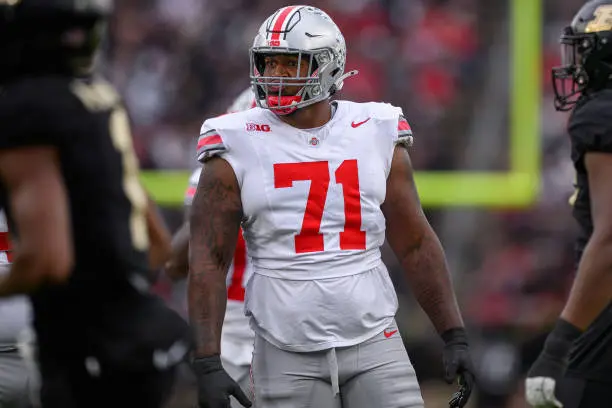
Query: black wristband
{"points": [[206, 365], [456, 335], [561, 339]]}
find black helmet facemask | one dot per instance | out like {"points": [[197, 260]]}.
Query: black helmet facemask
{"points": [[586, 55]]}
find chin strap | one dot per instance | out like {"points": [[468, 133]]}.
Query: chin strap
{"points": [[285, 105]]}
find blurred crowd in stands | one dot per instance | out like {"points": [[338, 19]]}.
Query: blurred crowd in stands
{"points": [[178, 62]]}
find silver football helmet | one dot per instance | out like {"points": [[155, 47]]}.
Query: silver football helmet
{"points": [[309, 33]]}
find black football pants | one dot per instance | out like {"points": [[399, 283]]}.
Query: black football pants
{"points": [[581, 393], [83, 384]]}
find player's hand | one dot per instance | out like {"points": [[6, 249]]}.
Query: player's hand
{"points": [[550, 366], [214, 385], [458, 364], [540, 392], [542, 379]]}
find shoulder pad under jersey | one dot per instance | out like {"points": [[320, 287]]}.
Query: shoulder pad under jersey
{"points": [[215, 133], [380, 110], [589, 126], [210, 144], [37, 111], [386, 111]]}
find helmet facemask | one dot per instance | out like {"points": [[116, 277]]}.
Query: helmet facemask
{"points": [[270, 91], [587, 66], [570, 79]]}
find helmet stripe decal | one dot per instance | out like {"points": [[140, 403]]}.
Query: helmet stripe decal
{"points": [[270, 23], [281, 20]]}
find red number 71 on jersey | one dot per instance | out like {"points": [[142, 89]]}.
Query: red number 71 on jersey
{"points": [[310, 239]]}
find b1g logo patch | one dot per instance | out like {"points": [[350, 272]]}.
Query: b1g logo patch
{"points": [[254, 127], [314, 142]]}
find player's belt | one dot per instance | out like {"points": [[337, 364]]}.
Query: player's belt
{"points": [[8, 349]]}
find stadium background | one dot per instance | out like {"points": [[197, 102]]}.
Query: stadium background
{"points": [[473, 79]]}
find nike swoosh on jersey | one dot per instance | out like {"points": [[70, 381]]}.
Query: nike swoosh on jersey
{"points": [[356, 125], [389, 333]]}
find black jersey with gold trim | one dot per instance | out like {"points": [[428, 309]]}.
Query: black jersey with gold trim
{"points": [[105, 302], [590, 130]]}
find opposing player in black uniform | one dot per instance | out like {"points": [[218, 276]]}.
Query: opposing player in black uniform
{"points": [[581, 342], [69, 182]]}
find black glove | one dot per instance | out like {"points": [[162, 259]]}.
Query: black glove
{"points": [[214, 385], [457, 362], [550, 366], [552, 361]]}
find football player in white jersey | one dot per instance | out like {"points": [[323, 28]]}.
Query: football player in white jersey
{"points": [[316, 186], [237, 336], [16, 379]]}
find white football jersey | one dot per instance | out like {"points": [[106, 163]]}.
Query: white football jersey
{"points": [[237, 336], [311, 201]]}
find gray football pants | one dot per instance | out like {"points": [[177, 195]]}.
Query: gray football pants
{"points": [[375, 373], [242, 375], [16, 381]]}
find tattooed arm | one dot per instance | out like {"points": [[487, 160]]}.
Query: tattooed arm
{"points": [[417, 247], [215, 221]]}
